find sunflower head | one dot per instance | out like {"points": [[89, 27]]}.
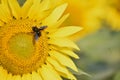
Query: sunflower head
{"points": [[113, 14], [33, 44], [85, 13]]}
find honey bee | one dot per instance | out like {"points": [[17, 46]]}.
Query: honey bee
{"points": [[38, 30]]}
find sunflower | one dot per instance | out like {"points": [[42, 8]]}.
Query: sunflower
{"points": [[113, 14], [33, 46], [85, 13]]}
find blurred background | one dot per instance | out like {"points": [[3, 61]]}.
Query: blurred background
{"points": [[100, 55], [99, 40]]}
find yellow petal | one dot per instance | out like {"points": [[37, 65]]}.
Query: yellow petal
{"points": [[15, 8], [3, 15], [57, 66], [3, 73], [34, 9], [66, 31], [26, 77], [49, 74], [69, 76], [17, 77], [27, 5], [63, 71], [63, 42], [54, 27], [4, 1], [37, 12], [6, 8], [5, 11], [45, 5], [53, 69], [36, 76], [63, 59], [58, 23], [37, 1], [68, 52], [55, 15], [9, 77], [43, 10], [56, 2]]}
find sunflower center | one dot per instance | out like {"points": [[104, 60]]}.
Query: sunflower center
{"points": [[21, 45], [20, 52]]}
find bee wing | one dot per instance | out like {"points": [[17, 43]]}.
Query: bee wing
{"points": [[42, 27]]}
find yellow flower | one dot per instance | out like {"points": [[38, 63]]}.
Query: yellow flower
{"points": [[85, 13], [113, 14], [32, 45]]}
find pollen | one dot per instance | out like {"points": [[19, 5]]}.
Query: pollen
{"points": [[20, 52]]}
